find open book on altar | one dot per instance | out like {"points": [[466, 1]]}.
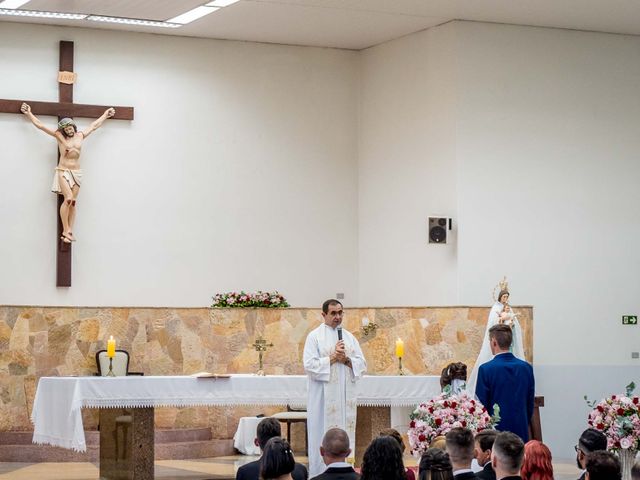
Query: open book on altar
{"points": [[210, 375]]}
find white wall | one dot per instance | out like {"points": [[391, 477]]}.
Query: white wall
{"points": [[548, 150], [548, 158], [407, 169], [239, 171], [538, 141]]}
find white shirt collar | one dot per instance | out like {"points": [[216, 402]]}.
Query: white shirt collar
{"points": [[462, 470]]}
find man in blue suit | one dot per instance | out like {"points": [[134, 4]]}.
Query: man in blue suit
{"points": [[507, 381]]}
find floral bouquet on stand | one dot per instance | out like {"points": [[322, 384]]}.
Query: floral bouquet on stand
{"points": [[444, 412], [618, 417], [249, 300]]}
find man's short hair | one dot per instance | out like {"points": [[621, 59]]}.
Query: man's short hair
{"points": [[502, 334], [460, 444], [602, 465], [336, 443], [485, 439], [267, 429], [592, 440], [635, 471], [329, 303], [509, 448]]}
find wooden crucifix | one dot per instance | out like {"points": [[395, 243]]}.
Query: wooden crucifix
{"points": [[64, 108]]}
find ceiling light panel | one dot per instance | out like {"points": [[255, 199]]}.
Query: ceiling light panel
{"points": [[13, 3], [221, 3], [193, 15], [132, 21], [159, 10], [40, 14]]}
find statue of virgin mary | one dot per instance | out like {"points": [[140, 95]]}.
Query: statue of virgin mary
{"points": [[500, 313]]}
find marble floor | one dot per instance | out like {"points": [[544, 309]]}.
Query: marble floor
{"points": [[218, 468]]}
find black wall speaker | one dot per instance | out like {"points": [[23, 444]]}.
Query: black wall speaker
{"points": [[439, 227]]}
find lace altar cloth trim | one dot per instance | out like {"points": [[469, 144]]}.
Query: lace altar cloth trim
{"points": [[58, 402]]}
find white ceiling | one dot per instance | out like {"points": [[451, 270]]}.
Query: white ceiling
{"points": [[350, 24]]}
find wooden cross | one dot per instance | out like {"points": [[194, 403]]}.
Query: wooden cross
{"points": [[64, 108]]}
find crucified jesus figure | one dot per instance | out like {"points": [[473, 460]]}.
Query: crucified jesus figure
{"points": [[68, 176]]}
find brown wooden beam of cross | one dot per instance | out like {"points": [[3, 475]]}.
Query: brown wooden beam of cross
{"points": [[64, 108]]}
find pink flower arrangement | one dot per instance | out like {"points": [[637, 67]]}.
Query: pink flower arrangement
{"points": [[618, 417], [444, 412], [248, 300]]}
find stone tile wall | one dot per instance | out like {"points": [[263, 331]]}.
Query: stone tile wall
{"points": [[51, 341]]}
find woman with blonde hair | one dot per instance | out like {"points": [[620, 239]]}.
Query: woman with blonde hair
{"points": [[439, 442]]}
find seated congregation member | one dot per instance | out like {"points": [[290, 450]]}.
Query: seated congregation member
{"points": [[393, 433], [439, 442], [382, 460], [591, 440], [602, 465], [483, 443], [334, 452], [460, 447], [267, 429], [508, 382], [537, 462], [507, 455], [277, 460], [435, 465]]}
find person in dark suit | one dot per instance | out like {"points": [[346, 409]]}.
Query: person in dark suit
{"points": [[334, 452], [267, 429], [482, 452], [508, 382], [460, 450], [507, 456], [602, 465], [591, 440]]}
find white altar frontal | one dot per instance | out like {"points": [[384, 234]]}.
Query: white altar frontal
{"points": [[58, 401]]}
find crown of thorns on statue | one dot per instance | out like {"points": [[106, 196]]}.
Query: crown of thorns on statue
{"points": [[66, 122]]}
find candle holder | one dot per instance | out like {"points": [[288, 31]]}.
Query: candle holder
{"points": [[110, 372], [261, 346], [400, 370], [370, 327]]}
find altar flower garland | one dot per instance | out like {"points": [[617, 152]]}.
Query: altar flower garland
{"points": [[618, 417], [444, 412], [249, 300]]}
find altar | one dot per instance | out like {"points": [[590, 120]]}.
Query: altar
{"points": [[58, 403], [53, 349]]}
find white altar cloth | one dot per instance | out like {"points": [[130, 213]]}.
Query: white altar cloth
{"points": [[244, 439], [58, 402]]}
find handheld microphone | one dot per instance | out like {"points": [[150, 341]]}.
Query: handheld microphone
{"points": [[339, 333]]}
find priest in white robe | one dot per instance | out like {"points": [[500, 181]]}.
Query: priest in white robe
{"points": [[332, 366]]}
